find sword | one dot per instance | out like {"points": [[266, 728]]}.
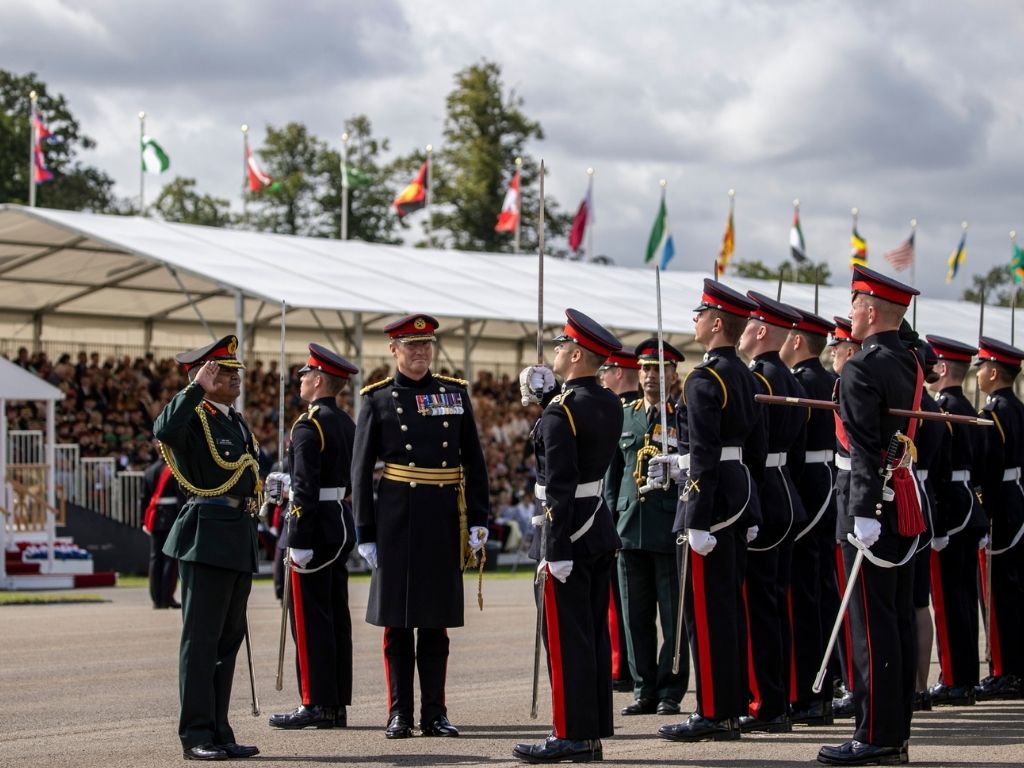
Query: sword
{"points": [[988, 595], [284, 620], [252, 672], [667, 479], [538, 639], [677, 654]]}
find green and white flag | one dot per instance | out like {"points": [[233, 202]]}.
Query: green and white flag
{"points": [[154, 159]]}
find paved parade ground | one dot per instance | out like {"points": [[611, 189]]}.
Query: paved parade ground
{"points": [[95, 685]]}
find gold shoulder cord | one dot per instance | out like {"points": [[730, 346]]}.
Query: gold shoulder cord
{"points": [[237, 468]]}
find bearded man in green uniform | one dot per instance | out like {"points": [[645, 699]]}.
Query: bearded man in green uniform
{"points": [[212, 453]]}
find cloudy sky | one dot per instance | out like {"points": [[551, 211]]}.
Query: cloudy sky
{"points": [[910, 109]]}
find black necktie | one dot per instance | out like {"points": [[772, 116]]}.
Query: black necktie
{"points": [[652, 416]]}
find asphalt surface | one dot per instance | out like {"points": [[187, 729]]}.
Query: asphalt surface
{"points": [[95, 685]]}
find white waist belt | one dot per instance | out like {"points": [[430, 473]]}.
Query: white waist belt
{"points": [[583, 490], [843, 462], [1011, 475], [332, 494], [775, 460], [729, 453], [960, 476], [819, 457], [166, 500], [922, 474]]}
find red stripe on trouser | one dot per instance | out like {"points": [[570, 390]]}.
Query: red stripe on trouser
{"points": [[301, 648], [613, 634], [792, 648], [871, 661], [755, 692], [995, 650], [941, 621], [554, 658], [700, 618], [387, 666], [847, 632]]}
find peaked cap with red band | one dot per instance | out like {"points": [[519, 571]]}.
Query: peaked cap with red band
{"points": [[812, 323], [322, 359], [875, 284], [416, 327], [720, 296], [772, 312], [647, 352], [588, 333], [622, 359], [950, 349], [221, 352], [843, 332], [990, 350]]}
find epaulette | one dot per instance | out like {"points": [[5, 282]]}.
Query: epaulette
{"points": [[562, 400], [709, 366], [637, 404], [452, 380], [308, 415], [210, 409], [707, 362], [376, 385]]}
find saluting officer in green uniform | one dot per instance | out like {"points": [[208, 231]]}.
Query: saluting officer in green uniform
{"points": [[212, 454], [647, 573]]}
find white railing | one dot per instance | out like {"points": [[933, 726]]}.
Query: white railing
{"points": [[25, 446], [127, 507], [97, 480]]}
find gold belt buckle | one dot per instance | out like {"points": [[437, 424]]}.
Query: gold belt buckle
{"points": [[252, 507]]}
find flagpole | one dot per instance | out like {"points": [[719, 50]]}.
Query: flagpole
{"points": [[430, 173], [854, 211], [245, 171], [817, 283], [981, 332], [1013, 296], [519, 207], [32, 139], [344, 185], [142, 165], [913, 270], [590, 215]]}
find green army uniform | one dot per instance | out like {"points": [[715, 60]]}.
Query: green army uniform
{"points": [[213, 457]]}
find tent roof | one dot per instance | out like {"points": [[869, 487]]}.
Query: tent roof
{"points": [[18, 384], [133, 269]]}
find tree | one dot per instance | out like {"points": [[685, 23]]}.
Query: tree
{"points": [[370, 193], [75, 186], [997, 284], [808, 272], [181, 203], [293, 157], [485, 130]]}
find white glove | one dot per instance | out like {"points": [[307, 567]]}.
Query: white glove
{"points": [[939, 543], [983, 542], [274, 486], [300, 556], [534, 382], [560, 569], [752, 533], [657, 467], [477, 537], [701, 542], [369, 553], [866, 530]]}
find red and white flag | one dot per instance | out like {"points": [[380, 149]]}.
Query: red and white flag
{"points": [[257, 178], [584, 216], [902, 256], [510, 209]]}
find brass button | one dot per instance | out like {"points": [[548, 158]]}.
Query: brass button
{"points": [[398, 409], [444, 444], [405, 427], [444, 424], [412, 484], [440, 389], [408, 446], [412, 463], [393, 393], [444, 463]]}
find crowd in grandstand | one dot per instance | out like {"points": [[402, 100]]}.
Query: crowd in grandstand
{"points": [[110, 405]]}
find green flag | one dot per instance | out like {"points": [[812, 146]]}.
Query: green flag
{"points": [[1017, 265], [154, 159], [355, 179], [657, 232]]}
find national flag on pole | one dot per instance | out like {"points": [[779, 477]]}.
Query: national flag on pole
{"points": [[258, 179], [510, 208], [902, 256], [354, 179], [728, 246], [583, 215], [797, 248], [40, 171], [956, 258], [1017, 264], [660, 240], [154, 159], [858, 249], [414, 196]]}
